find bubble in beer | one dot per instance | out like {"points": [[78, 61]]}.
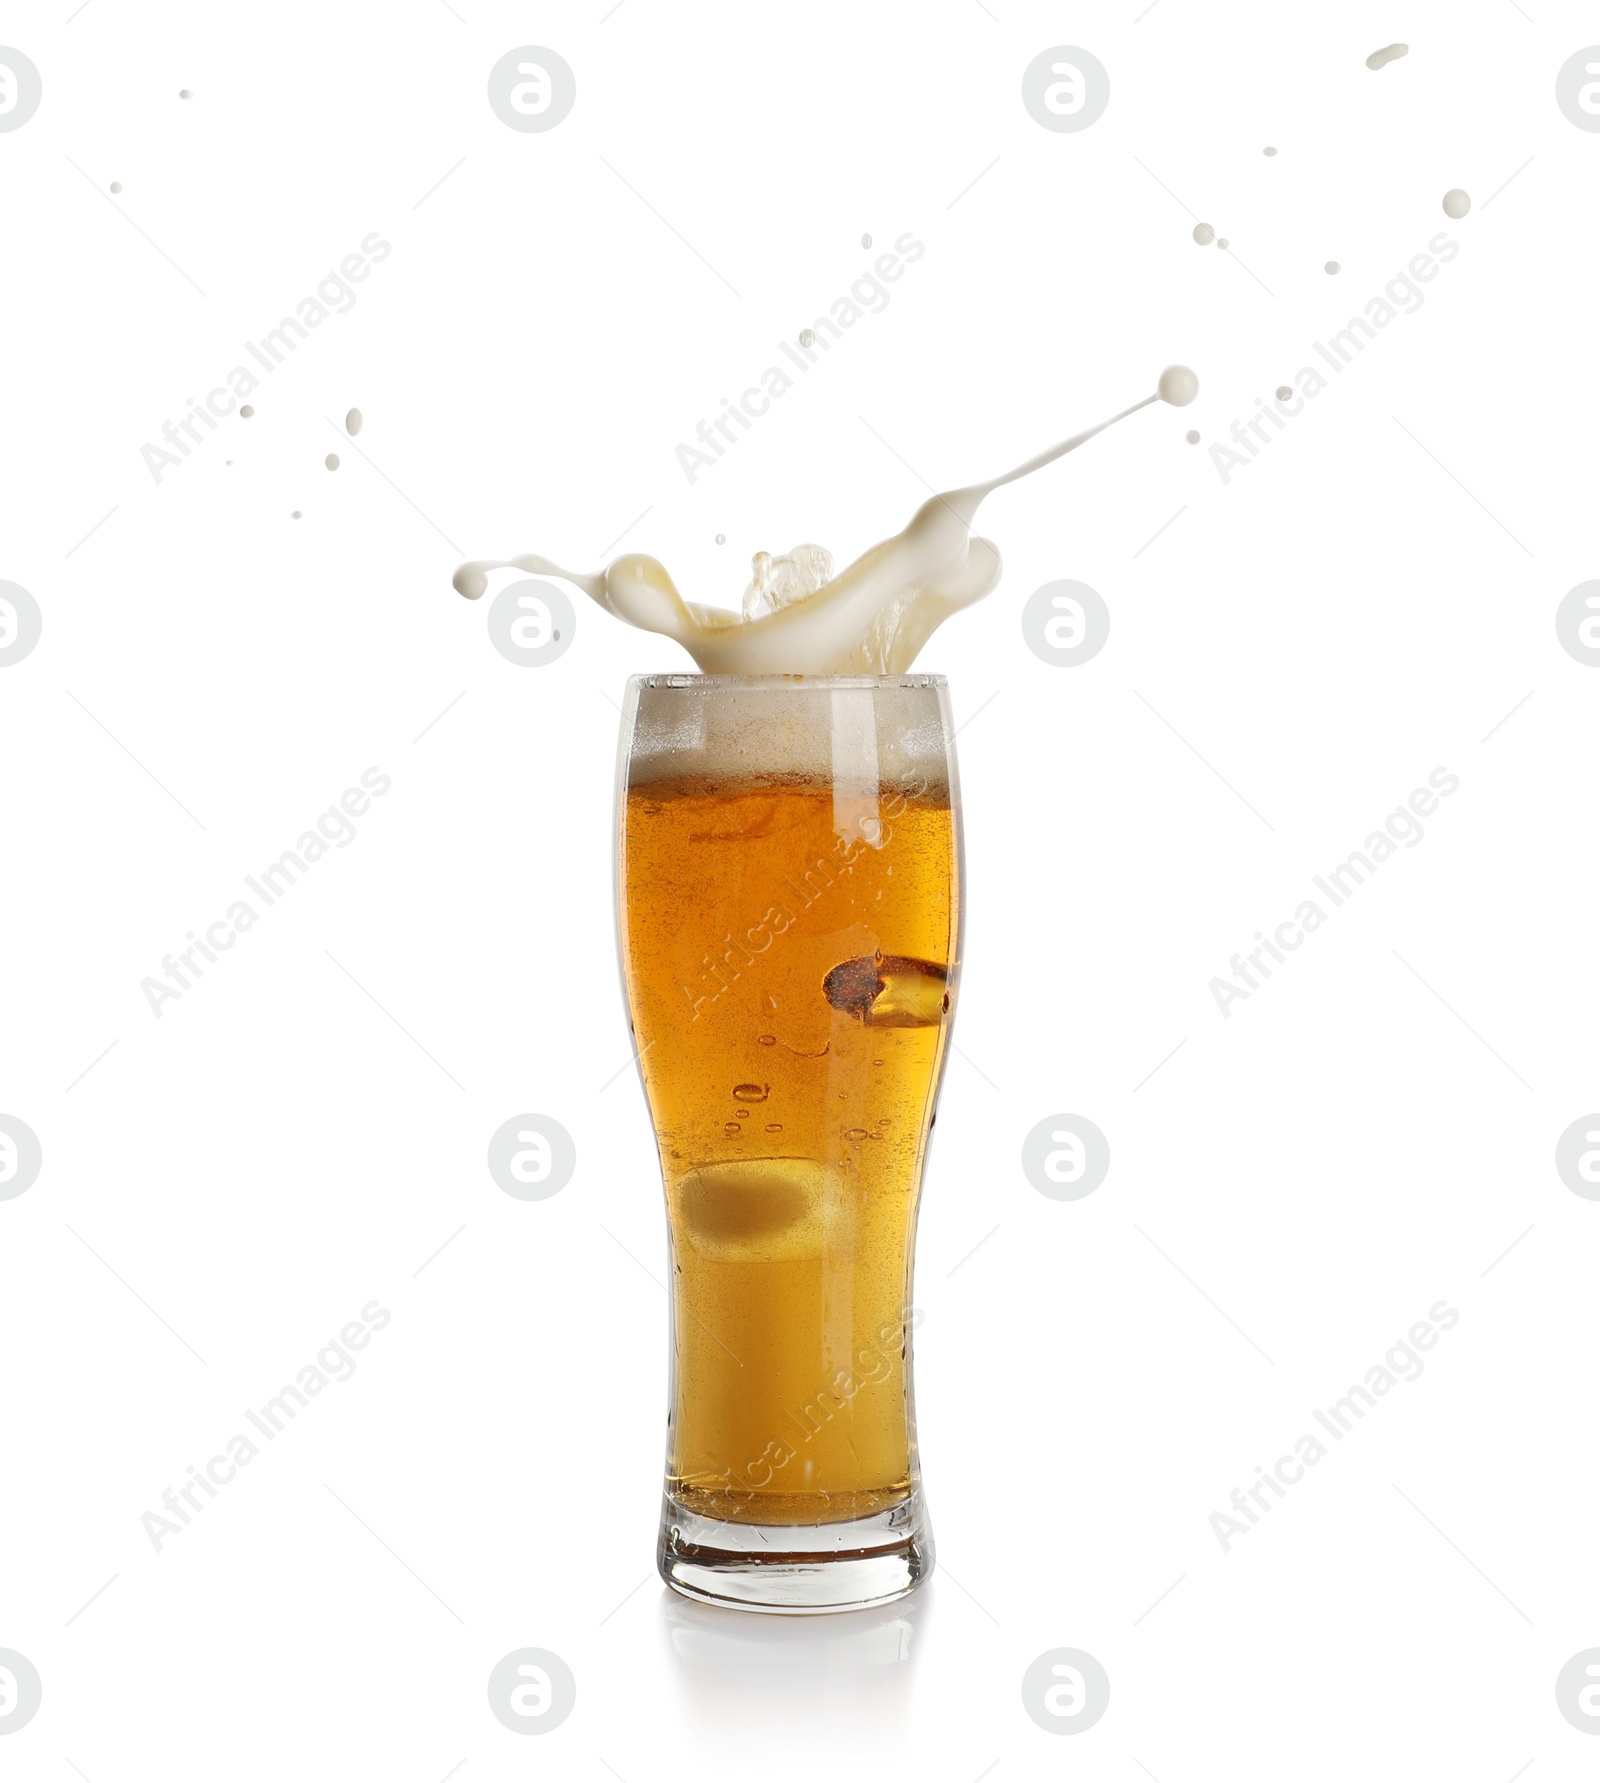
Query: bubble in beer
{"points": [[806, 337], [352, 423], [866, 241], [1283, 393], [1332, 268], [858, 1134], [766, 1039], [741, 1114], [731, 1129], [1457, 203], [332, 461], [751, 1092], [1179, 386], [773, 1127], [1204, 234], [1390, 53], [116, 185], [1193, 436]]}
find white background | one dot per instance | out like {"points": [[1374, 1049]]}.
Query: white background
{"points": [[303, 1130]]}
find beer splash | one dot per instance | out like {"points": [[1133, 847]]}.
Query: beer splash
{"points": [[798, 617]]}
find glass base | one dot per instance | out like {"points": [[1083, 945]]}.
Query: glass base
{"points": [[814, 1569]]}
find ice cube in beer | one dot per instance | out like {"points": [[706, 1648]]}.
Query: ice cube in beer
{"points": [[889, 990], [755, 1209]]}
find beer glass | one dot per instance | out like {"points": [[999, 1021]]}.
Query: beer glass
{"points": [[789, 914]]}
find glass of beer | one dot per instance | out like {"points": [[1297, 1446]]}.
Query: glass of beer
{"points": [[789, 908]]}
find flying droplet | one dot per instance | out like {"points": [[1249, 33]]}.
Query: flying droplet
{"points": [[1331, 268], [1222, 241], [866, 241], [295, 515], [1204, 234], [246, 412], [1457, 203], [1269, 151], [807, 336], [1193, 437], [116, 185], [1283, 393], [722, 538], [332, 461], [1391, 53], [184, 93], [352, 423], [1179, 386]]}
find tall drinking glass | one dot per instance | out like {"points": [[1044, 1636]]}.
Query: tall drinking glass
{"points": [[789, 908]]}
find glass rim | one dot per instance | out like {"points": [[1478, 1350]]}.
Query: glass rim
{"points": [[677, 680]]}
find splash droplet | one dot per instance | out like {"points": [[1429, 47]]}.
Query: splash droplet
{"points": [[1193, 437], [1269, 151], [352, 423], [1390, 53], [246, 412], [1204, 234], [1222, 242], [296, 515], [722, 538], [1179, 386], [116, 185], [806, 337], [332, 461], [184, 93], [866, 241], [1457, 203], [1283, 393], [1332, 268]]}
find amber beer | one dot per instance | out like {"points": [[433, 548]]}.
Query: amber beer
{"points": [[789, 874]]}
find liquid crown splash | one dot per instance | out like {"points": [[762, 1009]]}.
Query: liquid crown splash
{"points": [[798, 618]]}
